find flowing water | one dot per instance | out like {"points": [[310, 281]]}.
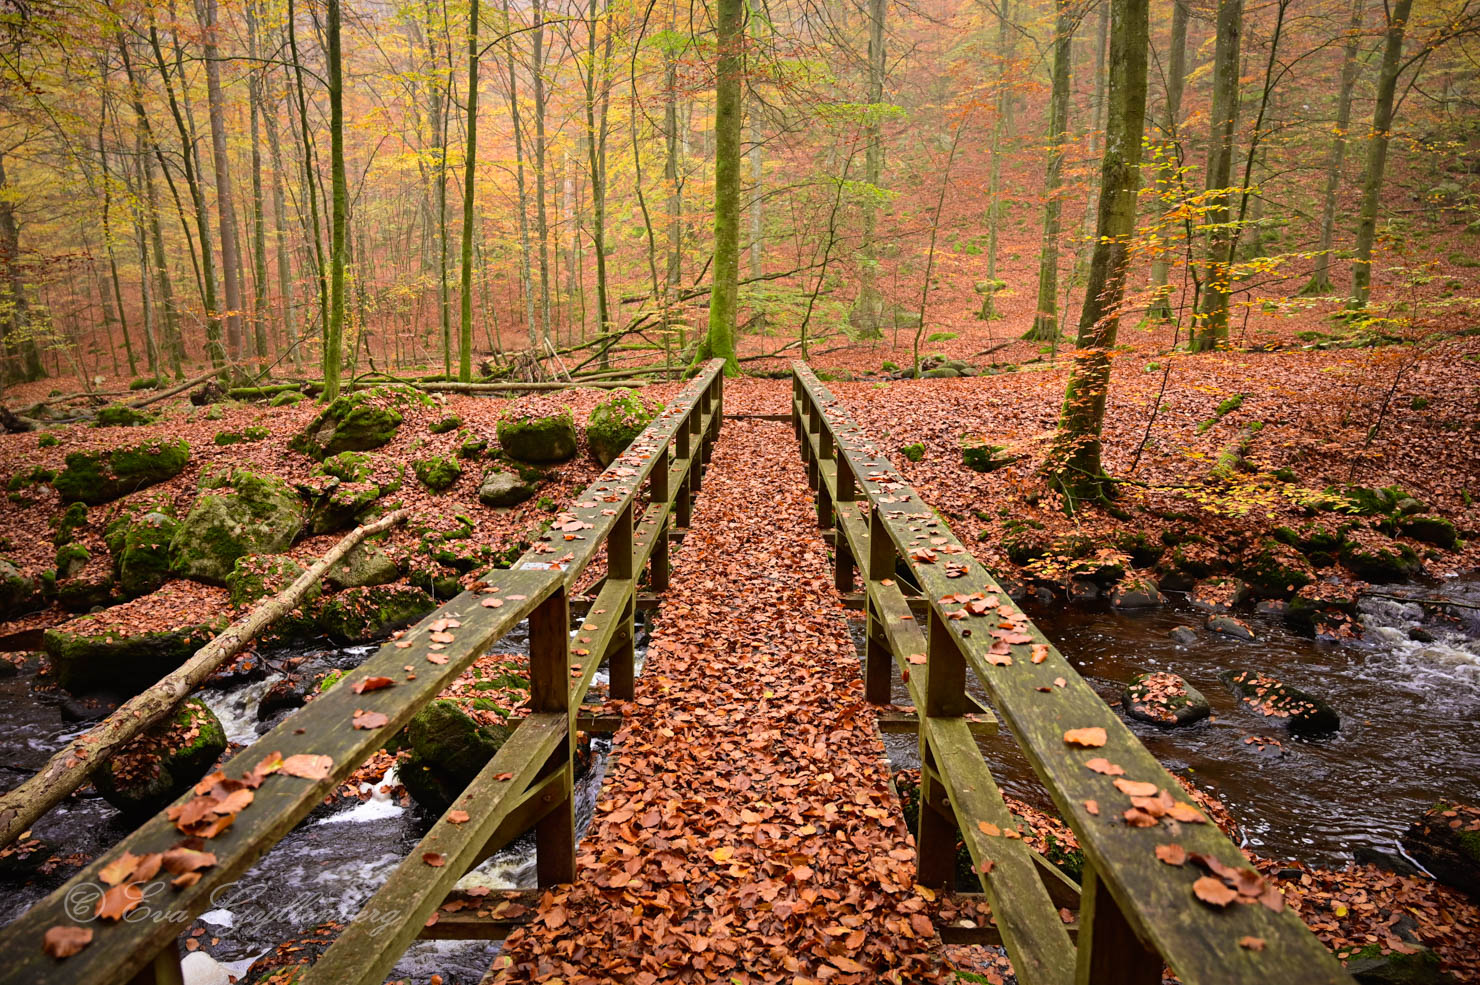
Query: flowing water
{"points": [[324, 870], [1408, 716]]}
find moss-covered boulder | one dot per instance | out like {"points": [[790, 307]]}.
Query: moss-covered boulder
{"points": [[1270, 697], [17, 592], [1136, 592], [471, 445], [981, 456], [348, 466], [914, 452], [121, 416], [256, 576], [1430, 529], [246, 435], [1319, 540], [87, 590], [334, 505], [239, 512], [102, 476], [437, 472], [357, 421], [287, 399], [448, 748], [144, 558], [502, 488], [367, 563], [1446, 841], [364, 615], [538, 439], [87, 655], [617, 420], [71, 559], [1164, 699], [1378, 559], [449, 422], [161, 764], [68, 522], [1275, 570]]}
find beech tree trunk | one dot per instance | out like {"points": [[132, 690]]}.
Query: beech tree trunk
{"points": [[526, 277], [1168, 179], [259, 229], [225, 200], [1320, 279], [19, 336], [1000, 127], [1211, 323], [70, 768], [465, 325], [719, 341], [1377, 148], [1074, 463], [541, 217], [339, 203], [868, 313], [1046, 320]]}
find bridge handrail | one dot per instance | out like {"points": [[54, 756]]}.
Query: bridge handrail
{"points": [[529, 782], [1135, 911]]}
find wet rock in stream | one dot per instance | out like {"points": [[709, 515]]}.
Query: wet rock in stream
{"points": [[1302, 712]]}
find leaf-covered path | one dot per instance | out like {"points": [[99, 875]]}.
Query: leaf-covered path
{"points": [[746, 831]]}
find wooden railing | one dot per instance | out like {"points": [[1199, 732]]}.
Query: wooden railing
{"points": [[1134, 910], [528, 783]]}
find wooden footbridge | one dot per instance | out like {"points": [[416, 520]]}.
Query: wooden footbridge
{"points": [[934, 614]]}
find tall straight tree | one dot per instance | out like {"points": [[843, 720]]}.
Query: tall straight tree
{"points": [[1168, 176], [259, 221], [1211, 323], [868, 312], [1074, 463], [1000, 127], [1377, 149], [1046, 320], [465, 324], [719, 341], [225, 201], [339, 203], [525, 277], [1320, 280]]}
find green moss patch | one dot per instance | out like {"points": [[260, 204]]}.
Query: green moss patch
{"points": [[98, 477], [437, 472], [616, 421], [161, 764], [539, 439]]}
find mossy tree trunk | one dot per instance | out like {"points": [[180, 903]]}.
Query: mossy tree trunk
{"points": [[1211, 323], [225, 199], [1046, 320], [19, 335], [1074, 462], [1320, 280], [1168, 174], [870, 303], [1000, 127], [465, 324], [339, 204], [1377, 148], [719, 341]]}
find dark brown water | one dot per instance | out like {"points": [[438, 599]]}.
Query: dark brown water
{"points": [[1410, 711]]}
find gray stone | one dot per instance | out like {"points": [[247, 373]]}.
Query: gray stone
{"points": [[1274, 699], [365, 564], [1136, 592], [503, 489], [1183, 635], [1164, 699], [1229, 626], [238, 513]]}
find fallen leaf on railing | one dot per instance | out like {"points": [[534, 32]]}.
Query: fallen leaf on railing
{"points": [[63, 940], [1086, 738]]}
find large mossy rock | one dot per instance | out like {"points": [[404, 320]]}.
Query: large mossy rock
{"points": [[1446, 841], [101, 476], [366, 564], [538, 440], [1431, 530], [357, 421], [344, 488], [437, 472], [160, 765], [1136, 592], [17, 592], [256, 576], [239, 512], [364, 615], [87, 656], [1275, 570], [502, 488], [1164, 699], [617, 420], [1302, 712], [1379, 560], [144, 556], [980, 456], [448, 748]]}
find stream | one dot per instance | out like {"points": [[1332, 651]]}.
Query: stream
{"points": [[324, 870], [1407, 738], [1408, 717]]}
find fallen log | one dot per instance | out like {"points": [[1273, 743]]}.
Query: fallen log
{"points": [[526, 387], [71, 766], [177, 388]]}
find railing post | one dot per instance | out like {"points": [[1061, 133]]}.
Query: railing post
{"points": [[842, 550], [549, 691], [1109, 952], [696, 442], [620, 655], [658, 493], [164, 969], [945, 697], [878, 669]]}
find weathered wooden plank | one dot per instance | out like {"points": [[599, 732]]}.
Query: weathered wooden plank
{"points": [[1197, 941], [487, 917], [322, 727], [1022, 908], [368, 948]]}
